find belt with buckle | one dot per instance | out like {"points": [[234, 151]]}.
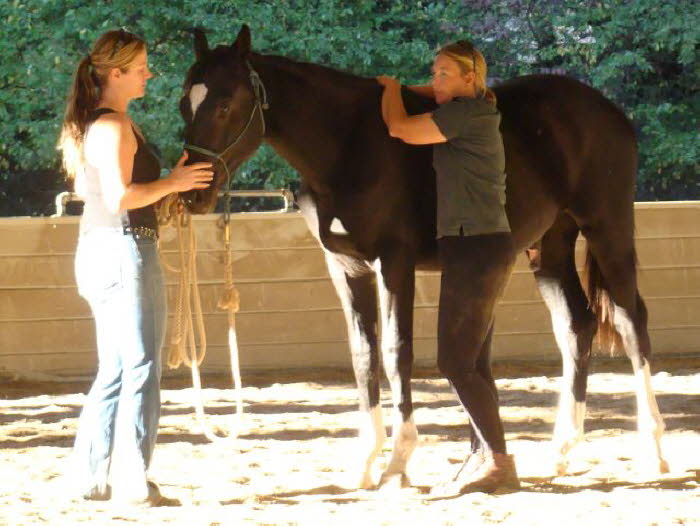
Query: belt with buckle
{"points": [[142, 232]]}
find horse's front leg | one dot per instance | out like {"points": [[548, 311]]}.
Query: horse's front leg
{"points": [[396, 284], [355, 284]]}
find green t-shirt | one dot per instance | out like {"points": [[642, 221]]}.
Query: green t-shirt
{"points": [[471, 182]]}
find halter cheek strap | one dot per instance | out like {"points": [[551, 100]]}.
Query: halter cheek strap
{"points": [[259, 105]]}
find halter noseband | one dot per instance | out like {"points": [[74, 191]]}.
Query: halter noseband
{"points": [[260, 104]]}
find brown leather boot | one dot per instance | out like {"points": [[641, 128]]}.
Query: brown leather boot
{"points": [[496, 472]]}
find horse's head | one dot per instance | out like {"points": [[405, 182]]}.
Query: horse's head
{"points": [[222, 106]]}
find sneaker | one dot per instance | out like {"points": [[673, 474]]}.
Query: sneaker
{"points": [[471, 463], [98, 493]]}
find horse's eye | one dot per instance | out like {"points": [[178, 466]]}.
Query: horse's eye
{"points": [[225, 107]]}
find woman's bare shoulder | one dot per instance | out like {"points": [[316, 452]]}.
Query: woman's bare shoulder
{"points": [[109, 129]]}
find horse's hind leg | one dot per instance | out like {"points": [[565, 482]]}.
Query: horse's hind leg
{"points": [[574, 327], [613, 267], [396, 284], [355, 284]]}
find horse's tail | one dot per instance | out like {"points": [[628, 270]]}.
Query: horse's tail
{"points": [[601, 304]]}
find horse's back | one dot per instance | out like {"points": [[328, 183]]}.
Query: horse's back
{"points": [[567, 148], [559, 135]]}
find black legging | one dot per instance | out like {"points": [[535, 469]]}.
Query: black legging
{"points": [[475, 270]]}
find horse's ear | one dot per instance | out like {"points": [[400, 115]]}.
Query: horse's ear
{"points": [[201, 46], [242, 44]]}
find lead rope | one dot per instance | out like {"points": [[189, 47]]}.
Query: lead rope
{"points": [[230, 302], [183, 345]]}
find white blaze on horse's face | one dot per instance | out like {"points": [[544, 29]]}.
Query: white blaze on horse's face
{"points": [[198, 93], [337, 226]]}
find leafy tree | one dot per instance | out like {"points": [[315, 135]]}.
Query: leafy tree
{"points": [[642, 54]]}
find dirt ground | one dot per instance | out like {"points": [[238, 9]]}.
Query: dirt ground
{"points": [[294, 461]]}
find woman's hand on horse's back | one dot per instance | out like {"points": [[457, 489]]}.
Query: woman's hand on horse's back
{"points": [[195, 176], [387, 81]]}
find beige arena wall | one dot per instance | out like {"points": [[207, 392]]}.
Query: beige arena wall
{"points": [[290, 315]]}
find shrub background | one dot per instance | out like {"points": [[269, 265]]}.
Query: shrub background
{"points": [[643, 54]]}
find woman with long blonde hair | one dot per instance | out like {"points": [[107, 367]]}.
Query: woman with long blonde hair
{"points": [[117, 267], [474, 239]]}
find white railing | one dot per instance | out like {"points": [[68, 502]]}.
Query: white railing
{"points": [[285, 194]]}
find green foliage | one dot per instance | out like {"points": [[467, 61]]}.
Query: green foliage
{"points": [[642, 54]]}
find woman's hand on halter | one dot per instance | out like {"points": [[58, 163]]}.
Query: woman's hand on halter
{"points": [[195, 176]]}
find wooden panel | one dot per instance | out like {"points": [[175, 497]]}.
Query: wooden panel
{"points": [[261, 231], [534, 347], [47, 271], [37, 302], [665, 282], [39, 236], [665, 220], [21, 236], [319, 326], [292, 327], [677, 251], [61, 303], [290, 313]]}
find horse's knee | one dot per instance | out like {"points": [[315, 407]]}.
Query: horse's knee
{"points": [[453, 366], [445, 364]]}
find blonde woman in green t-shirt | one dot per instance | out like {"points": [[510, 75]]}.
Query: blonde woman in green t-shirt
{"points": [[475, 245]]}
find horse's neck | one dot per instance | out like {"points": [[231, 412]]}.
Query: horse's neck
{"points": [[309, 117]]}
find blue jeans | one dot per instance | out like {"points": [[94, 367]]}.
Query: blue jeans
{"points": [[122, 280]]}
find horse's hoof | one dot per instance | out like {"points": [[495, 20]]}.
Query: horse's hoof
{"points": [[366, 483], [561, 468], [443, 491], [394, 480], [663, 466]]}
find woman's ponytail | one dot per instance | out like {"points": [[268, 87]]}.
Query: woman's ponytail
{"points": [[489, 95], [83, 98]]}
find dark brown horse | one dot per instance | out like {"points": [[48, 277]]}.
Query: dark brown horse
{"points": [[571, 160]]}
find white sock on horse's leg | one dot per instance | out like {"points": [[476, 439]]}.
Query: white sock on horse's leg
{"points": [[370, 442], [404, 438], [568, 426], [650, 423]]}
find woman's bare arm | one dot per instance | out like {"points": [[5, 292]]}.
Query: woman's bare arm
{"points": [[414, 129], [426, 90]]}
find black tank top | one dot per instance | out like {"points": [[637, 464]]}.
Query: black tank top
{"points": [[146, 169]]}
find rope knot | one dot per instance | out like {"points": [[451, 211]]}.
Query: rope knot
{"points": [[230, 300]]}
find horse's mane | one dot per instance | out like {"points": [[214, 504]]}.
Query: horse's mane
{"points": [[319, 73], [340, 81], [308, 72]]}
